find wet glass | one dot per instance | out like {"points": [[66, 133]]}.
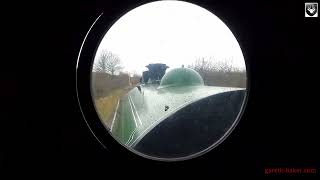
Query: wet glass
{"points": [[169, 80]]}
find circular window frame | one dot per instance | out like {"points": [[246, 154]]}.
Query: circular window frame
{"points": [[101, 132]]}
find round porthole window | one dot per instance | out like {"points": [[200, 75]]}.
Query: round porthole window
{"points": [[166, 81]]}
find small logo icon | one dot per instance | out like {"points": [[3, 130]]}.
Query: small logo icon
{"points": [[311, 9]]}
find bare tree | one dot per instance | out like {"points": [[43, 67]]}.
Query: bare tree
{"points": [[207, 65], [203, 67], [224, 66], [221, 73], [108, 62]]}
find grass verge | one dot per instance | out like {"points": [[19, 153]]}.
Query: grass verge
{"points": [[107, 105]]}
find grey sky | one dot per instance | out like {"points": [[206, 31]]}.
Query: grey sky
{"points": [[170, 32]]}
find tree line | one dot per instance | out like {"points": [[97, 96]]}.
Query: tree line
{"points": [[214, 73]]}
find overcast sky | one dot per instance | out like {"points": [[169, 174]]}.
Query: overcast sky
{"points": [[172, 32]]}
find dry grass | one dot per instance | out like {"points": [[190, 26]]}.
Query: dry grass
{"points": [[107, 90], [106, 106], [228, 79], [104, 84]]}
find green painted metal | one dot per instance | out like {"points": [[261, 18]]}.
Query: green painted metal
{"points": [[139, 111], [181, 77]]}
